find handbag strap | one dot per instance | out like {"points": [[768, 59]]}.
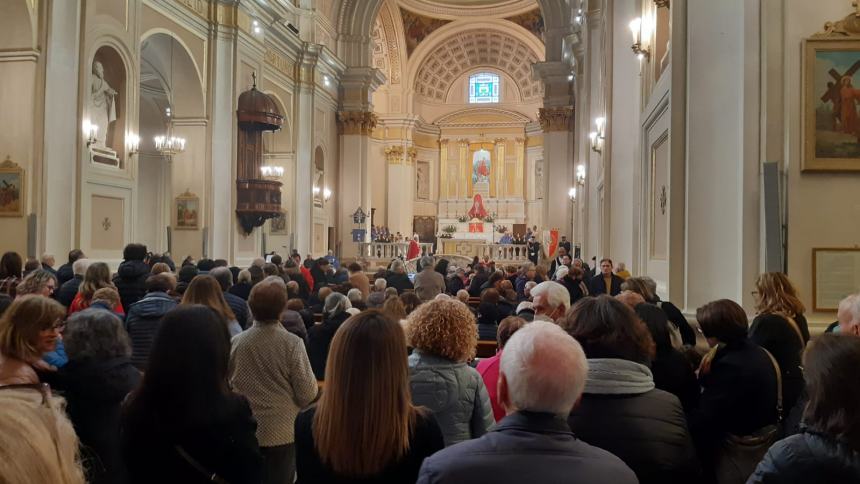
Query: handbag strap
{"points": [[213, 477], [778, 385], [791, 322]]}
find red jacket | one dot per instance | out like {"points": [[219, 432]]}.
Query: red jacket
{"points": [[489, 370], [306, 273]]}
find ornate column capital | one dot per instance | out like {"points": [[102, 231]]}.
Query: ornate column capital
{"points": [[499, 141], [463, 142], [411, 154], [555, 118], [356, 122], [444, 141], [394, 155]]}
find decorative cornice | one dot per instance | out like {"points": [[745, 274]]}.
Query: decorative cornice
{"points": [[662, 3], [356, 122], [8, 163], [847, 28], [555, 118], [280, 63], [394, 155]]}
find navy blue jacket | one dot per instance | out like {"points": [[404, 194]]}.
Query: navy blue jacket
{"points": [[142, 321], [808, 458], [240, 309], [525, 447], [68, 290], [130, 281]]}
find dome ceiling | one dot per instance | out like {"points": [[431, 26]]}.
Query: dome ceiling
{"points": [[453, 9], [477, 48]]}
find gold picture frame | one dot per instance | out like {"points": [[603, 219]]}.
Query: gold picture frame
{"points": [[12, 189], [187, 211], [831, 81]]}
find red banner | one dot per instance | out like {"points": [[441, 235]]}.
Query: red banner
{"points": [[551, 241]]}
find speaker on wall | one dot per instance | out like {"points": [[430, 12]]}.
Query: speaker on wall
{"points": [[773, 234], [31, 236], [206, 242]]}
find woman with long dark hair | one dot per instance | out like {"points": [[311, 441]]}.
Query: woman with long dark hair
{"points": [[11, 268], [96, 277], [183, 423], [828, 448], [371, 403], [205, 290]]}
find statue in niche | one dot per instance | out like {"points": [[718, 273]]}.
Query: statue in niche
{"points": [[422, 179], [102, 106]]}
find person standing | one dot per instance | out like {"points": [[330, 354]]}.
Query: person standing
{"points": [[269, 366], [605, 282], [130, 278], [428, 283]]}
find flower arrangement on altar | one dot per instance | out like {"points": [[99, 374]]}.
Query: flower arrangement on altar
{"points": [[448, 232], [490, 219], [463, 218]]}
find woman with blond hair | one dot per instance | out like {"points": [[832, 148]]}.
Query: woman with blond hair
{"points": [[39, 282], [780, 328], [28, 329], [37, 441], [389, 437], [96, 277], [205, 290], [444, 336]]}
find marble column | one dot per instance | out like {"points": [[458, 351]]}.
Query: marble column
{"points": [[558, 166], [356, 123], [401, 187], [62, 131], [221, 217], [303, 221]]}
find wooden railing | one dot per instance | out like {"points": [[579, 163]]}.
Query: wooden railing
{"points": [[390, 250]]}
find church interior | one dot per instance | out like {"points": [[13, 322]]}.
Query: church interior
{"points": [[706, 150]]}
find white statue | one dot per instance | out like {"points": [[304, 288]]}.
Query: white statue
{"points": [[102, 107]]}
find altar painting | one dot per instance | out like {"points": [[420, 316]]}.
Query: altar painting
{"points": [[481, 166]]}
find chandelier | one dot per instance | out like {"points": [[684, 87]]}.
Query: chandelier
{"points": [[167, 144]]}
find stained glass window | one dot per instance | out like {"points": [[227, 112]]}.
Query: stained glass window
{"points": [[483, 88]]}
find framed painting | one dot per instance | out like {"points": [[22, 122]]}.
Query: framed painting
{"points": [[279, 224], [11, 189], [831, 98], [187, 211]]}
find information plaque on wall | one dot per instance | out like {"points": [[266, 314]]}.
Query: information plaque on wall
{"points": [[835, 274]]}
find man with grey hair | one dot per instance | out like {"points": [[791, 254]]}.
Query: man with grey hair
{"points": [[238, 305], [848, 315], [542, 375], [428, 283], [48, 261], [551, 300], [377, 293], [67, 291]]}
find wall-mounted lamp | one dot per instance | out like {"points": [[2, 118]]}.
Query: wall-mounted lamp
{"points": [[255, 24], [316, 190], [578, 18], [91, 132], [132, 143], [637, 27], [599, 135], [580, 174], [571, 194], [326, 194], [326, 81]]}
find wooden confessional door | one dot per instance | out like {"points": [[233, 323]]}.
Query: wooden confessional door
{"points": [[425, 227]]}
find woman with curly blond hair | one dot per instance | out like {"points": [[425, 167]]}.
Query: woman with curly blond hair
{"points": [[443, 334]]}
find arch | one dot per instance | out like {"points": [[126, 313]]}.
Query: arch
{"points": [[18, 24], [182, 103], [492, 116], [511, 92], [280, 141]]}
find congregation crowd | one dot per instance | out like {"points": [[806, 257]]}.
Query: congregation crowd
{"points": [[295, 370]]}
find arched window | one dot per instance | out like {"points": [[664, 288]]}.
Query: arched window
{"points": [[483, 88]]}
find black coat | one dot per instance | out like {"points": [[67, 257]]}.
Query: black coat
{"points": [[398, 281], [674, 315], [142, 321], [775, 334], [224, 444], [478, 280], [454, 284], [67, 292], [575, 287], [597, 286], [94, 391], [241, 289], [808, 458], [425, 440], [319, 341], [64, 273], [240, 309], [673, 373], [130, 281], [525, 448], [738, 396], [320, 278], [304, 289], [647, 431]]}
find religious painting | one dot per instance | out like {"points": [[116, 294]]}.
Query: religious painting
{"points": [[481, 166], [417, 27], [831, 97], [531, 21], [422, 180], [11, 189], [187, 211], [278, 225]]}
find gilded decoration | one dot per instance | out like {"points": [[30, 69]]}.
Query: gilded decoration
{"points": [[411, 154], [356, 122], [416, 28], [391, 45], [555, 119], [199, 7], [531, 21], [394, 155], [279, 63]]}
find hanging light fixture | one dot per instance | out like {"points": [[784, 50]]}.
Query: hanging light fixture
{"points": [[167, 144]]}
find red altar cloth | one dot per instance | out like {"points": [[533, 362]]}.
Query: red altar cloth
{"points": [[476, 227]]}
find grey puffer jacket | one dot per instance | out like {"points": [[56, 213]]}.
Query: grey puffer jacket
{"points": [[455, 393], [808, 458]]}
